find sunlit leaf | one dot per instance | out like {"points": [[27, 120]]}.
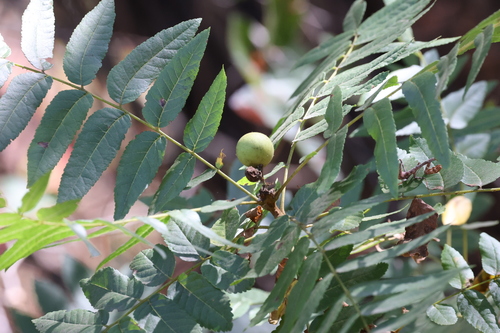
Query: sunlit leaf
{"points": [[151, 269], [72, 321], [490, 254], [451, 258], [476, 309], [442, 314]]}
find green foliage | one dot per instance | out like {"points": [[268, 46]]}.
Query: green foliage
{"points": [[333, 255]]}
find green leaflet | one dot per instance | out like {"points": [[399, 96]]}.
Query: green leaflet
{"points": [[334, 112], [442, 314], [5, 70], [151, 268], [138, 166], [134, 74], [273, 301], [467, 41], [126, 324], [60, 122], [478, 172], [142, 232], [72, 321], [184, 240], [225, 269], [490, 254], [34, 194], [172, 319], [174, 181], [167, 96], [460, 108], [420, 92], [354, 16], [334, 154], [23, 96], [365, 260], [452, 259], [482, 43], [57, 212], [446, 66], [110, 290], [89, 44], [380, 125], [201, 129], [303, 291], [476, 309], [94, 150], [37, 33], [206, 304]]}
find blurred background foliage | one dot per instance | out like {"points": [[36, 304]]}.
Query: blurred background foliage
{"points": [[258, 43]]}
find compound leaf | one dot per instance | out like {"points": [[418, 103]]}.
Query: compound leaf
{"points": [[134, 74], [94, 150], [89, 44]]}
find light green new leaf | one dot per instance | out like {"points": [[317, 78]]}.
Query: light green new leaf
{"points": [[354, 16], [446, 66], [482, 43], [133, 75], [167, 96], [31, 237], [334, 154], [334, 112], [172, 319], [303, 291], [451, 259], [184, 240], [138, 166], [24, 94], [141, 232], [380, 125], [201, 129], [275, 298], [442, 314], [89, 44], [478, 172], [109, 290], [209, 306], [34, 195], [72, 321], [174, 181], [60, 122], [490, 254], [460, 109], [476, 309], [151, 269], [57, 212], [37, 33], [420, 93], [94, 150]]}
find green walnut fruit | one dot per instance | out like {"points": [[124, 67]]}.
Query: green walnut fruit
{"points": [[255, 149]]}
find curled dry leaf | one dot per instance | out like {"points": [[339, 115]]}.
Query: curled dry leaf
{"points": [[419, 207]]}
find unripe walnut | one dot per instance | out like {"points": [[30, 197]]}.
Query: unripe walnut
{"points": [[255, 149]]}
